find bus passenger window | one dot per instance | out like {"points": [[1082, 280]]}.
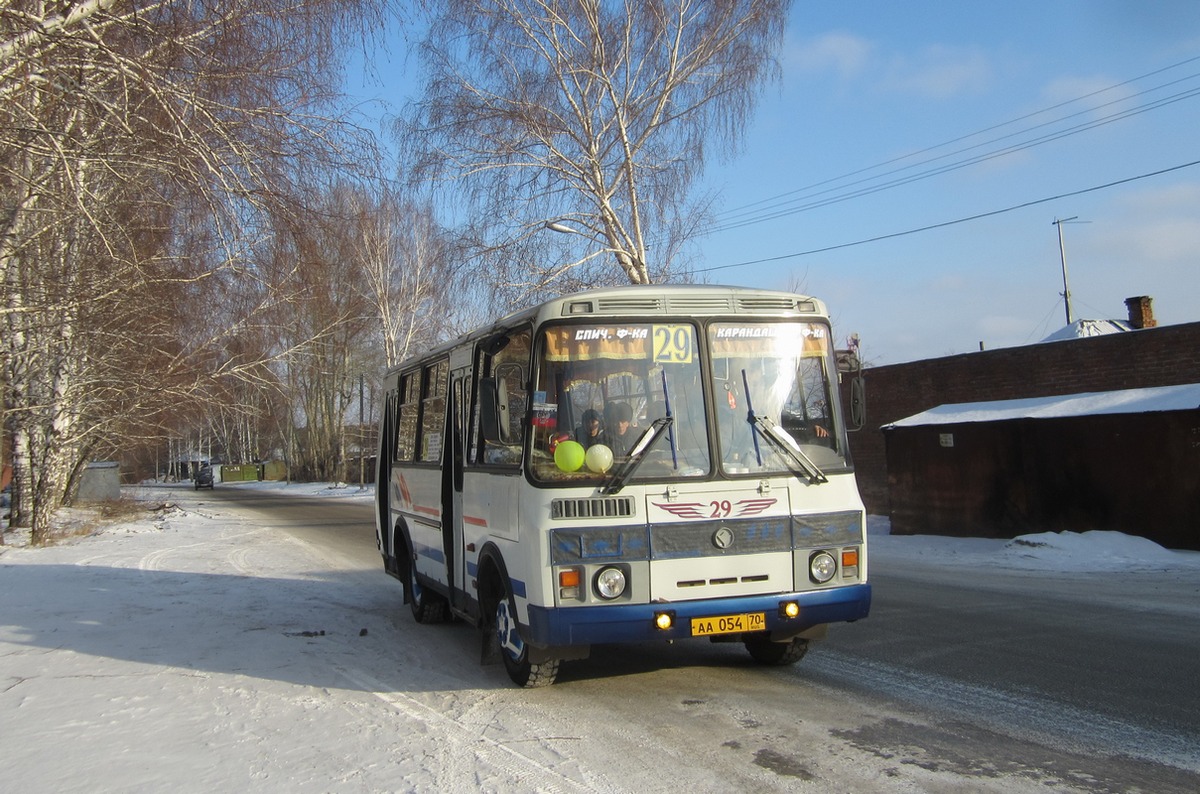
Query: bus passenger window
{"points": [[406, 427], [433, 411]]}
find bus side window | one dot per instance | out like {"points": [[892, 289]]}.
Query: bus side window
{"points": [[433, 411], [504, 396], [409, 409], [510, 403]]}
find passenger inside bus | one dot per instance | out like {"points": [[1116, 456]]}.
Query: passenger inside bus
{"points": [[620, 430], [592, 431]]}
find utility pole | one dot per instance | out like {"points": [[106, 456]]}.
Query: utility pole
{"points": [[1062, 253], [361, 432]]}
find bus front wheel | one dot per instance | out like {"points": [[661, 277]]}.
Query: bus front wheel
{"points": [[777, 653], [515, 652]]}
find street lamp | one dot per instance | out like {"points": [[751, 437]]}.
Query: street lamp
{"points": [[635, 260], [562, 228]]}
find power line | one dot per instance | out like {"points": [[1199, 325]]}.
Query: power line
{"points": [[910, 155], [777, 206], [944, 224], [783, 210], [958, 164]]}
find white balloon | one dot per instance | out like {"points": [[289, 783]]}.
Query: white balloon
{"points": [[599, 458]]}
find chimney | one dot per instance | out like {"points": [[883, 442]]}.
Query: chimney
{"points": [[1140, 313]]}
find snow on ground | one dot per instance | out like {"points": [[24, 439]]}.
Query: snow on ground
{"points": [[1064, 552], [110, 678]]}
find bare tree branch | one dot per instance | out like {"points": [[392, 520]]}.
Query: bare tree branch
{"points": [[589, 115]]}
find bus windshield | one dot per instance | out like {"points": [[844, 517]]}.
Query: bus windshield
{"points": [[769, 377], [600, 386]]}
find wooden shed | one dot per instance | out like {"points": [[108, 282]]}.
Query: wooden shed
{"points": [[1126, 461]]}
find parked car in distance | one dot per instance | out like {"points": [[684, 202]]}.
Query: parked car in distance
{"points": [[204, 478]]}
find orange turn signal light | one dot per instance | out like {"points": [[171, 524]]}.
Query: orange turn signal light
{"points": [[849, 558], [568, 578]]}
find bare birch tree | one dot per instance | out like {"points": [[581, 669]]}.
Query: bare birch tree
{"points": [[588, 117], [370, 286], [142, 144], [408, 270]]}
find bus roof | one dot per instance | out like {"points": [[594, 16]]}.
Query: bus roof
{"points": [[649, 300]]}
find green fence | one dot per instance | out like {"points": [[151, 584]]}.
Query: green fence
{"points": [[245, 472]]}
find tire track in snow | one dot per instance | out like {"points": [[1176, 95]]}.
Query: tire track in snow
{"points": [[1028, 716], [498, 755], [238, 557]]}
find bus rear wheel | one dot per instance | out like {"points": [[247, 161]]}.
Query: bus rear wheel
{"points": [[515, 652], [777, 653]]}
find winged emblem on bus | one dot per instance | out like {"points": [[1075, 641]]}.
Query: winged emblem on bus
{"points": [[685, 510], [752, 507], [745, 507]]}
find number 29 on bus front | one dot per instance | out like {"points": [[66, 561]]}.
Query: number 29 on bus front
{"points": [[673, 344]]}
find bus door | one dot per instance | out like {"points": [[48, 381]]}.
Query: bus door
{"points": [[452, 486]]}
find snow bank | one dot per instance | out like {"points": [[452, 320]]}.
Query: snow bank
{"points": [[1066, 552]]}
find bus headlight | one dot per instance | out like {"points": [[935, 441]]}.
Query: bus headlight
{"points": [[821, 567], [610, 583]]}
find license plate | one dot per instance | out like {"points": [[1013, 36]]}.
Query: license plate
{"points": [[729, 624]]}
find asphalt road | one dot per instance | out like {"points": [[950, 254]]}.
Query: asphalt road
{"points": [[1087, 682]]}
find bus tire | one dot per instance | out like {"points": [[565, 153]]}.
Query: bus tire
{"points": [[780, 654], [515, 653], [427, 606]]}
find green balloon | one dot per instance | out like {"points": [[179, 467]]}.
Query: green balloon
{"points": [[569, 455]]}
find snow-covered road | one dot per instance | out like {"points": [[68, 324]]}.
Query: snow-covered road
{"points": [[194, 650]]}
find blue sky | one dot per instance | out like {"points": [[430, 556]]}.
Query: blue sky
{"points": [[869, 85]]}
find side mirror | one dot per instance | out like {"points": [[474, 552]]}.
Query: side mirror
{"points": [[858, 403], [848, 363]]}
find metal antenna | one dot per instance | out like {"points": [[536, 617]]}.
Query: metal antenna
{"points": [[1062, 253]]}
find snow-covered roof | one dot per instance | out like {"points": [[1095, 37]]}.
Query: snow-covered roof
{"points": [[1127, 401], [1085, 328]]}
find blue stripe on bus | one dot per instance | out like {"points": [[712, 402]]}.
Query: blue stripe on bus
{"points": [[518, 585], [551, 626], [430, 552]]}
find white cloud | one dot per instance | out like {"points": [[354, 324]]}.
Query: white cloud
{"points": [[940, 72], [1063, 89], [1011, 328], [1157, 226], [1080, 94], [842, 53]]}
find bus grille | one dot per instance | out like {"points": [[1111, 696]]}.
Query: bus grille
{"points": [[702, 304], [771, 304], [615, 507], [648, 304]]}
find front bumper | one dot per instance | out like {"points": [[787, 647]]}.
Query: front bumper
{"points": [[620, 623]]}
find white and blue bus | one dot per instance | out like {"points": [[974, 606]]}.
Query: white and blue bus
{"points": [[626, 465]]}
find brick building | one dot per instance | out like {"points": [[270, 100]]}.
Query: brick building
{"points": [[1145, 356]]}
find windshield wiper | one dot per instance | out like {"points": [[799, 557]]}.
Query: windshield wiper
{"points": [[787, 445], [655, 431], [803, 464], [640, 447]]}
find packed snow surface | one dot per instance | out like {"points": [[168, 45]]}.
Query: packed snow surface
{"points": [[192, 648]]}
